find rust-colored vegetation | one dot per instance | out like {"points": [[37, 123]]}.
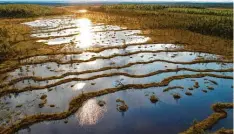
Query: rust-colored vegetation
{"points": [[219, 113]]}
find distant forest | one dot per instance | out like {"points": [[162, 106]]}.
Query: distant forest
{"points": [[205, 5]]}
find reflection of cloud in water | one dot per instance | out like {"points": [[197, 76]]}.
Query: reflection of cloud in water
{"points": [[90, 113], [78, 86]]}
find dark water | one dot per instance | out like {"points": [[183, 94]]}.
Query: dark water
{"points": [[168, 116], [165, 117]]}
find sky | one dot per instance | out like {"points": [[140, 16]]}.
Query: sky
{"points": [[122, 0]]}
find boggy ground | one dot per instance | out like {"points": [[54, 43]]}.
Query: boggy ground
{"points": [[26, 47]]}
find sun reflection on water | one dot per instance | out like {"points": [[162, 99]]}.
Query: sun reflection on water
{"points": [[90, 113], [82, 11], [84, 39]]}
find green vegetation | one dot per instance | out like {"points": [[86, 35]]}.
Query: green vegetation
{"points": [[15, 38], [150, 17], [171, 8], [27, 10], [135, 7], [4, 44], [224, 12], [206, 21]]}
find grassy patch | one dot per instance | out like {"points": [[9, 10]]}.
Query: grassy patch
{"points": [[154, 99], [226, 12], [27, 10], [219, 113], [15, 37], [205, 21], [77, 102], [122, 106], [171, 88], [5, 88], [188, 93], [197, 32], [176, 96]]}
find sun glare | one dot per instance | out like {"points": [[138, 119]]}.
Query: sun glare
{"points": [[82, 11], [85, 33]]}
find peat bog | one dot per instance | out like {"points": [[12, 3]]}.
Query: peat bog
{"points": [[116, 69]]}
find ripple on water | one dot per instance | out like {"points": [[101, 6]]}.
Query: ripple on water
{"points": [[166, 116]]}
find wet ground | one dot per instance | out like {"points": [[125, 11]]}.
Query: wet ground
{"points": [[47, 83]]}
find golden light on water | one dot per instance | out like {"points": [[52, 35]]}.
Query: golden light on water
{"points": [[90, 113], [85, 33], [82, 11]]}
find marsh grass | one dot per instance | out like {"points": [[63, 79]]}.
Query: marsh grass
{"points": [[161, 28], [176, 96], [122, 106], [219, 113], [205, 21], [62, 81], [188, 93], [225, 12], [15, 38], [174, 28], [16, 64], [224, 131], [77, 102], [27, 10], [173, 87], [154, 99]]}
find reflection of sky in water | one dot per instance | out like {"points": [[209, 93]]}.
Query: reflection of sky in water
{"points": [[62, 94], [168, 113], [83, 33], [142, 116], [51, 68]]}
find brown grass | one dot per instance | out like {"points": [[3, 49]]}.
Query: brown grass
{"points": [[6, 90], [17, 65], [219, 113], [12, 82], [192, 41], [171, 88], [76, 103]]}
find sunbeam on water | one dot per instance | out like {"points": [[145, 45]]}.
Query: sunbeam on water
{"points": [[82, 33], [111, 89], [82, 11], [85, 38]]}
